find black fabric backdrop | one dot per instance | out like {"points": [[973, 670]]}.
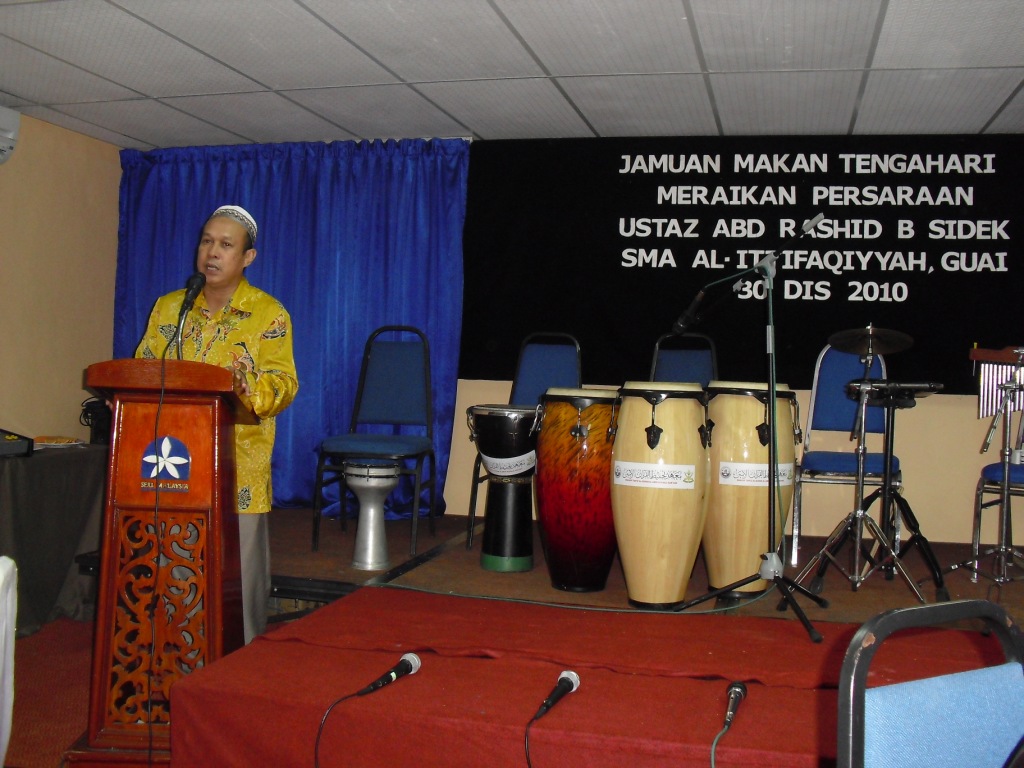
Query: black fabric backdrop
{"points": [[559, 237]]}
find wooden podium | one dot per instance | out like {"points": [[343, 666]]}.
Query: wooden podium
{"points": [[169, 599]]}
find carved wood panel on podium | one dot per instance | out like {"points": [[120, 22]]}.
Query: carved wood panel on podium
{"points": [[169, 599]]}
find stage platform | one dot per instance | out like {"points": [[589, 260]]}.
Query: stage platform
{"points": [[652, 687]]}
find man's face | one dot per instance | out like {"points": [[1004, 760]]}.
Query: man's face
{"points": [[221, 255]]}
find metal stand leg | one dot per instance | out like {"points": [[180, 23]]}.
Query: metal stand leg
{"points": [[1003, 554], [883, 553]]}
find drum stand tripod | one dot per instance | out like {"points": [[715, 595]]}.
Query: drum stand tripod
{"points": [[884, 554], [771, 566], [1003, 553]]}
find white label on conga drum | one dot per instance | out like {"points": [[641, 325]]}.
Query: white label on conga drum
{"points": [[738, 473], [643, 475], [508, 467]]}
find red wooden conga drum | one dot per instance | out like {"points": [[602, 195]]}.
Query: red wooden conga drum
{"points": [[736, 530], [659, 476], [574, 508]]}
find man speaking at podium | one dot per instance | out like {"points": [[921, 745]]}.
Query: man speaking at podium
{"points": [[237, 326]]}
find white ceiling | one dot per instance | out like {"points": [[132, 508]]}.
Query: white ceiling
{"points": [[161, 73]]}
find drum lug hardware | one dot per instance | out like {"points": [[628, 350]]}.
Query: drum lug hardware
{"points": [[705, 435], [581, 430], [653, 435], [762, 433]]}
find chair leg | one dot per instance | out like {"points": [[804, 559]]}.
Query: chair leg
{"points": [[976, 532], [417, 488], [797, 509], [471, 525], [318, 487]]}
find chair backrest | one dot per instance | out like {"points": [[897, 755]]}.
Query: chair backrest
{"points": [[831, 408], [394, 381], [966, 718], [546, 360], [688, 357]]}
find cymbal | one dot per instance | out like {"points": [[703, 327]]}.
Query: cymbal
{"points": [[857, 341]]}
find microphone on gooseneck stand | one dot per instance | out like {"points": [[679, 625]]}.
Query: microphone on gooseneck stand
{"points": [[193, 286]]}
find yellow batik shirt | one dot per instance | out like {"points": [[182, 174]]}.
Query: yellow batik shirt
{"points": [[253, 332]]}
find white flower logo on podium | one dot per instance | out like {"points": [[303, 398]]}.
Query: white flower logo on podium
{"points": [[166, 461]]}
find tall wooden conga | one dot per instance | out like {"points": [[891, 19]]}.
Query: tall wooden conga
{"points": [[736, 530], [659, 477], [574, 505], [506, 440]]}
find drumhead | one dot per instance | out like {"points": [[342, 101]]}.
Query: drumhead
{"points": [[381, 468], [753, 388], [579, 397], [501, 410], [661, 389]]}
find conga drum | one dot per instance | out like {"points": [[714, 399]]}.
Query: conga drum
{"points": [[659, 476], [506, 441], [574, 505], [736, 531]]}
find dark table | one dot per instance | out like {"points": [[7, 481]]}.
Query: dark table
{"points": [[51, 509]]}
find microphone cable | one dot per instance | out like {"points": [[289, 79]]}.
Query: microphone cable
{"points": [[737, 692], [568, 682], [412, 666]]}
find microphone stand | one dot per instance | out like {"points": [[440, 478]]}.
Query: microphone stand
{"points": [[771, 566]]}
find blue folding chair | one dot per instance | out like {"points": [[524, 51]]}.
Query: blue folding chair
{"points": [[392, 420], [973, 718], [832, 409], [546, 359], [686, 357]]}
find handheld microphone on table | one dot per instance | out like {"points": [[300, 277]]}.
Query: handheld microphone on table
{"points": [[568, 682], [409, 664], [737, 692]]}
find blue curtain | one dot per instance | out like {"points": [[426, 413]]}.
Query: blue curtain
{"points": [[352, 236]]}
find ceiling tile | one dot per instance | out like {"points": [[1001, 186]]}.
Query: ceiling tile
{"points": [[151, 122], [919, 101], [758, 36], [259, 117], [508, 109], [786, 103], [89, 129], [42, 79], [1011, 119], [106, 41], [972, 33], [278, 44], [363, 110], [595, 37], [662, 105]]}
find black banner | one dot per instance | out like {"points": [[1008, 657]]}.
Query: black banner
{"points": [[611, 240]]}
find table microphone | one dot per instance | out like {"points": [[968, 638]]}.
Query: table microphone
{"points": [[737, 692], [409, 664], [568, 682]]}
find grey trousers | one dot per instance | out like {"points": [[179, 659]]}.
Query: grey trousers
{"points": [[254, 548]]}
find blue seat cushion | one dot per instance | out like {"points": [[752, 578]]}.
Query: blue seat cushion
{"points": [[993, 473], [844, 462], [376, 446]]}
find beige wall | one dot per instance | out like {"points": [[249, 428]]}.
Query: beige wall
{"points": [[58, 254], [938, 443]]}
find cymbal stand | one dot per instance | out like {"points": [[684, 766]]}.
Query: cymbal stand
{"points": [[1003, 553], [894, 508]]}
